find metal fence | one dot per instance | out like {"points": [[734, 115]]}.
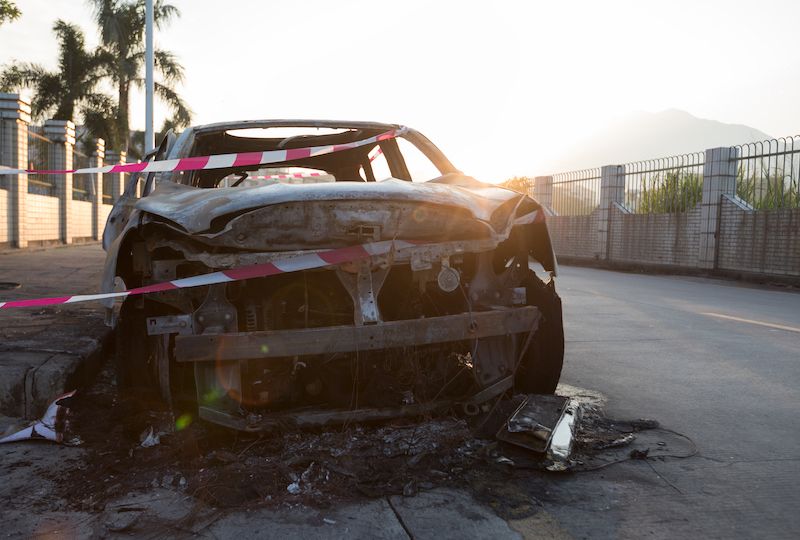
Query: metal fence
{"points": [[107, 189], [82, 184], [768, 173], [576, 193], [40, 156], [665, 185], [4, 184]]}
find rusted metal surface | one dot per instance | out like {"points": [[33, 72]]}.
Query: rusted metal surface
{"points": [[392, 334], [193, 209], [319, 417]]}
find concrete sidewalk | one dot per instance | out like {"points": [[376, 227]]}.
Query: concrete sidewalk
{"points": [[48, 350]]}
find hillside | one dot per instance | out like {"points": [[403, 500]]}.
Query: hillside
{"points": [[644, 135]]}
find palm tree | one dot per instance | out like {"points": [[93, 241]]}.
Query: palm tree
{"points": [[8, 11], [121, 24], [71, 88]]}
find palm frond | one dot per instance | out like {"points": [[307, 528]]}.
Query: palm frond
{"points": [[20, 75], [164, 13], [167, 64], [181, 114]]}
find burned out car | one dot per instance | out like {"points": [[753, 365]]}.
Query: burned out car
{"points": [[425, 300]]}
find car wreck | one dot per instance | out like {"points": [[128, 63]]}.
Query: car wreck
{"points": [[452, 315]]}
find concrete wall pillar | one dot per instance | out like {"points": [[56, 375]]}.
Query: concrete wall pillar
{"points": [[62, 133], [117, 180], [719, 178], [612, 190], [15, 116], [543, 191], [96, 160]]}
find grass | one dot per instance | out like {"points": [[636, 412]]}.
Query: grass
{"points": [[765, 190], [673, 192]]}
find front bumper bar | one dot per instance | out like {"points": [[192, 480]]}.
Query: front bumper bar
{"points": [[340, 339]]}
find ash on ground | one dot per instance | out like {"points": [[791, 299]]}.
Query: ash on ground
{"points": [[134, 447]]}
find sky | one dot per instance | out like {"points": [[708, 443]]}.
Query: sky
{"points": [[501, 87]]}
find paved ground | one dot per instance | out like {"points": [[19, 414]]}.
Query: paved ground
{"points": [[45, 350], [715, 360]]}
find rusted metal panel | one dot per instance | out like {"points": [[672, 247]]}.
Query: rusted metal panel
{"points": [[318, 417], [282, 343], [195, 208]]}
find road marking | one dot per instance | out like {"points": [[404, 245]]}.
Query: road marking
{"points": [[750, 321]]}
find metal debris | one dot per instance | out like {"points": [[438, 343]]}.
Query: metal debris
{"points": [[564, 433], [544, 424], [149, 438]]}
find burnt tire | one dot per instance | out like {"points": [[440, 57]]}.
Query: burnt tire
{"points": [[131, 362], [540, 367], [144, 364]]}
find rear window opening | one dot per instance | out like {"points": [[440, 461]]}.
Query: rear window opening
{"points": [[284, 175], [285, 132], [391, 158]]}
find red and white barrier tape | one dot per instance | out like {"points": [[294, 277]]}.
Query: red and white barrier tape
{"points": [[286, 176], [374, 153], [307, 261], [221, 161]]}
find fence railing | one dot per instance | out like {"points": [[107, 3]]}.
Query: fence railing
{"points": [[768, 173], [576, 193], [40, 156], [767, 177], [4, 143], [665, 185], [82, 184]]}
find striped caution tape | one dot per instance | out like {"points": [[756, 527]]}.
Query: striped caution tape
{"points": [[306, 261], [221, 161], [286, 176], [373, 155]]}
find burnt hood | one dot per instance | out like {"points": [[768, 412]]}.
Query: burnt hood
{"points": [[194, 209]]}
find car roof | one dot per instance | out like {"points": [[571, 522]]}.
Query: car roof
{"points": [[249, 124]]}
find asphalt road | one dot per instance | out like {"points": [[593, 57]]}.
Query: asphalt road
{"points": [[715, 360]]}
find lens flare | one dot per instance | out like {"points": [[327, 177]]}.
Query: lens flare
{"points": [[183, 421]]}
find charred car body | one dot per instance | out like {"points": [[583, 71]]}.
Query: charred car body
{"points": [[451, 316]]}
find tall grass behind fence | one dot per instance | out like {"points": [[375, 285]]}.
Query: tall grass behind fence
{"points": [[665, 185], [82, 184], [768, 173], [40, 156], [576, 193]]}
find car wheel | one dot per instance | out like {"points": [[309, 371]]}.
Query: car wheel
{"points": [[540, 366]]}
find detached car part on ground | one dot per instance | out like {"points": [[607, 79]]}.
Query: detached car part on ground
{"points": [[454, 321]]}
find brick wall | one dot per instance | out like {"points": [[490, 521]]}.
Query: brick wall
{"points": [[661, 239], [763, 241], [574, 236], [105, 209], [42, 222], [82, 221]]}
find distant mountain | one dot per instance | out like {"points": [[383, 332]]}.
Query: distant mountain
{"points": [[644, 135]]}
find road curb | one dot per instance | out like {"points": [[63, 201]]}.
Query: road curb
{"points": [[26, 390]]}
